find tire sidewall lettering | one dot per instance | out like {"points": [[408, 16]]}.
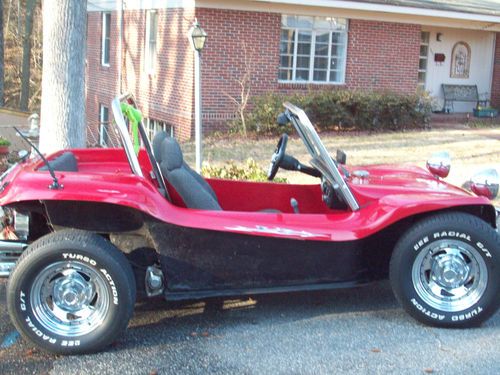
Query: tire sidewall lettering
{"points": [[29, 320], [421, 244]]}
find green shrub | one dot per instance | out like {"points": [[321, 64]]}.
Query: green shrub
{"points": [[250, 171], [345, 110], [4, 142]]}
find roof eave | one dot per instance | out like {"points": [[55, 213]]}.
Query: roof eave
{"points": [[394, 9]]}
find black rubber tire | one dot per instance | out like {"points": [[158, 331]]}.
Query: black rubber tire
{"points": [[109, 262], [408, 248]]}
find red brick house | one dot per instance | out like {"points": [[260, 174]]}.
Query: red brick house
{"points": [[141, 46]]}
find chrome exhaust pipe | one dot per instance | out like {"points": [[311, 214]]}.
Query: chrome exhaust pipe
{"points": [[10, 251]]}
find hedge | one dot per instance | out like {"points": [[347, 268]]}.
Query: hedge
{"points": [[344, 110]]}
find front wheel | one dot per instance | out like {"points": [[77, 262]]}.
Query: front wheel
{"points": [[445, 270], [71, 292]]}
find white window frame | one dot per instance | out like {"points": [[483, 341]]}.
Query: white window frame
{"points": [[421, 57], [106, 38], [312, 55], [103, 122], [153, 126], [150, 56]]}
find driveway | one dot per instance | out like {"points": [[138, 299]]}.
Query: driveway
{"points": [[355, 331]]}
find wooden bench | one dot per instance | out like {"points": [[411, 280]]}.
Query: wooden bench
{"points": [[461, 93]]}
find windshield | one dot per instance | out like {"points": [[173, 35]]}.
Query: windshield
{"points": [[321, 159]]}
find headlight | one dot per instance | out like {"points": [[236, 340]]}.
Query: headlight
{"points": [[485, 183], [439, 164]]}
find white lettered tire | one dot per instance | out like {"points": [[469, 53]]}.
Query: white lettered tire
{"points": [[71, 292], [445, 270]]}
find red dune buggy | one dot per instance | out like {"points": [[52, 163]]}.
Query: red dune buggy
{"points": [[95, 227]]}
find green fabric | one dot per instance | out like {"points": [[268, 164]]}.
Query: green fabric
{"points": [[134, 117]]}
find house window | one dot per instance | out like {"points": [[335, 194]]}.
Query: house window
{"points": [[151, 35], [313, 49], [103, 125], [423, 61], [105, 38], [154, 126]]}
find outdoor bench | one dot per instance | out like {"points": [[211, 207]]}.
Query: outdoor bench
{"points": [[461, 93]]}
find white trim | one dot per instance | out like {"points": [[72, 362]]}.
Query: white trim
{"points": [[305, 9], [102, 124], [103, 38], [396, 9], [149, 65], [113, 5]]}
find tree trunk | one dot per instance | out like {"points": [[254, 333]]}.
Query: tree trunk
{"points": [[26, 73], [2, 64], [63, 122]]}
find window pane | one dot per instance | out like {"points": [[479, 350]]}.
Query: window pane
{"points": [[321, 63], [338, 38], [286, 61], [304, 22], [287, 35], [335, 76], [336, 63], [323, 37], [338, 50], [320, 75], [424, 37], [421, 77], [285, 74], [305, 36], [289, 21], [321, 50], [422, 65], [302, 75], [424, 50], [303, 49], [303, 62], [286, 47]]}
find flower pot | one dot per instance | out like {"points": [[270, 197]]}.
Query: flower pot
{"points": [[4, 150]]}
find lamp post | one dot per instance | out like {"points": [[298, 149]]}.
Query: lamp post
{"points": [[197, 36]]}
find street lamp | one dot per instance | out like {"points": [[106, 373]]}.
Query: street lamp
{"points": [[197, 36]]}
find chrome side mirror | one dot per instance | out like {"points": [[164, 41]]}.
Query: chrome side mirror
{"points": [[486, 183], [439, 164]]}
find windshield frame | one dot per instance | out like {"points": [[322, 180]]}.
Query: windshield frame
{"points": [[321, 159], [123, 131]]}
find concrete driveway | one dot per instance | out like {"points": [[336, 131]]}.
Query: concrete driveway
{"points": [[355, 331]]}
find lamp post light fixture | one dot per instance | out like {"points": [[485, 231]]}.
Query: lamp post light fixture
{"points": [[197, 36]]}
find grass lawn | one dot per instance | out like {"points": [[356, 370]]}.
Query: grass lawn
{"points": [[471, 150]]}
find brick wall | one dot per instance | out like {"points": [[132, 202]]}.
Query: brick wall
{"points": [[495, 85], [380, 55], [383, 55], [165, 95]]}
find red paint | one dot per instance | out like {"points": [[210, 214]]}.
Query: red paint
{"points": [[387, 195]]}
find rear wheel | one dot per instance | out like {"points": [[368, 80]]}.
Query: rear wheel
{"points": [[445, 271], [71, 292]]}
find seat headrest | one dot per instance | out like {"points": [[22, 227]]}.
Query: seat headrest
{"points": [[171, 154], [157, 141]]}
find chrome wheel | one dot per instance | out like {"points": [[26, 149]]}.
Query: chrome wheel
{"points": [[449, 275], [70, 298]]}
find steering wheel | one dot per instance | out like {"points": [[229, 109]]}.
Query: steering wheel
{"points": [[277, 157]]}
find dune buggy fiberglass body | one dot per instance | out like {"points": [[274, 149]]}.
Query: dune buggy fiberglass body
{"points": [[98, 226]]}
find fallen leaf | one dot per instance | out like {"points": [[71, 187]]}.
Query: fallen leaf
{"points": [[376, 350]]}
